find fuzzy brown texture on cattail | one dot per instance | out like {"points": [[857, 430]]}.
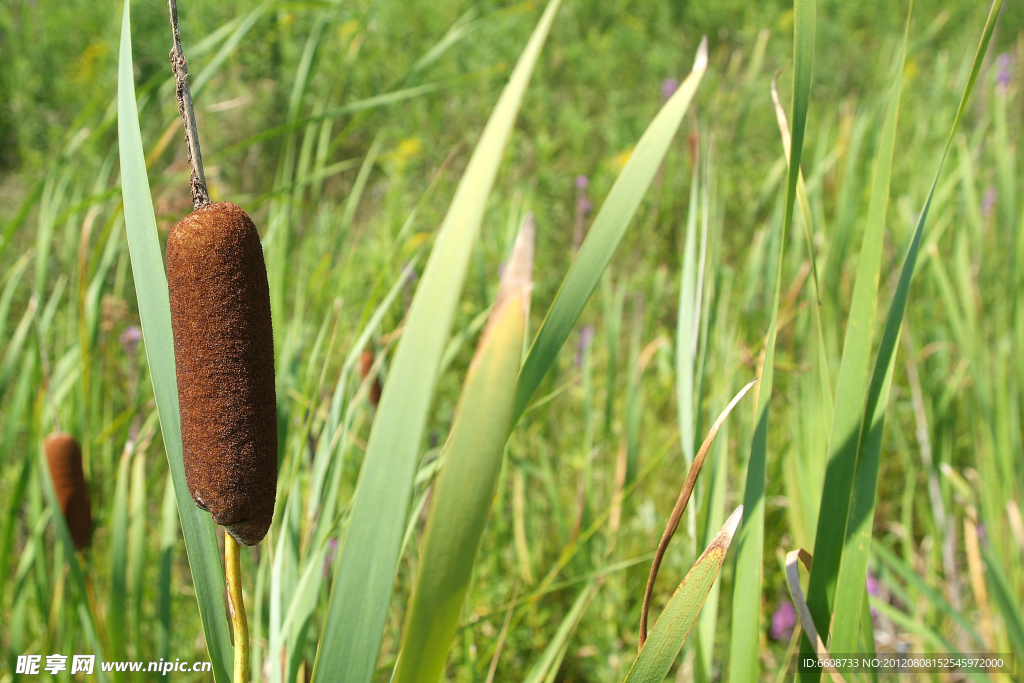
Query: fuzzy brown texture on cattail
{"points": [[224, 353], [64, 458], [365, 366]]}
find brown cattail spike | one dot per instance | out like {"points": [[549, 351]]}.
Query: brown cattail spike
{"points": [[224, 352], [65, 460], [365, 367]]}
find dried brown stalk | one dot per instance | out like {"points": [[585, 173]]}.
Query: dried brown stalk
{"points": [[197, 179]]}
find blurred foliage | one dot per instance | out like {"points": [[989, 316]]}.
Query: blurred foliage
{"points": [[597, 85]]}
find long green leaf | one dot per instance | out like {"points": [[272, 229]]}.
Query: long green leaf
{"points": [[168, 539], [465, 488], [116, 612], [686, 352], [746, 603], [155, 314], [835, 539], [362, 587], [673, 626], [870, 434], [605, 234], [13, 277], [808, 220]]}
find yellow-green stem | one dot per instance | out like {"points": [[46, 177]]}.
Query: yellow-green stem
{"points": [[239, 626]]}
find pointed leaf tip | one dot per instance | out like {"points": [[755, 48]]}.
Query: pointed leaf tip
{"points": [[723, 539], [700, 62], [731, 524], [518, 276]]}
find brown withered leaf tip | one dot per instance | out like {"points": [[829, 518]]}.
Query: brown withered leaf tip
{"points": [[64, 458], [224, 353]]}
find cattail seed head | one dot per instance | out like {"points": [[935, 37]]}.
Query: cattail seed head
{"points": [[224, 354], [365, 367], [64, 458]]}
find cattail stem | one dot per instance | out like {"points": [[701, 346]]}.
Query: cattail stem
{"points": [[239, 626], [197, 179]]}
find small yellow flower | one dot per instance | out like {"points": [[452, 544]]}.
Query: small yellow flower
{"points": [[619, 160]]}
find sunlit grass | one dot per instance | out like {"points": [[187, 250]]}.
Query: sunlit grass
{"points": [[707, 262]]}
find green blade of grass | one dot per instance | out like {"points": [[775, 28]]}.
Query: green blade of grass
{"points": [[604, 236], [853, 567], [674, 623], [12, 354], [1003, 596], [336, 420], [357, 106], [911, 624], [686, 351], [199, 83], [363, 583], [869, 435], [547, 665], [304, 599], [465, 487], [155, 314], [31, 198], [714, 514], [15, 410], [168, 538], [746, 605], [916, 582], [808, 220], [833, 538], [13, 278], [137, 528], [116, 612]]}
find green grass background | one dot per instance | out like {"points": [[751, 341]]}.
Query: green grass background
{"points": [[333, 196]]}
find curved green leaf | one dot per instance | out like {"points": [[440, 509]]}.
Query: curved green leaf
{"points": [[352, 631], [605, 234], [155, 314], [834, 538], [746, 601], [465, 488], [673, 626], [869, 434]]}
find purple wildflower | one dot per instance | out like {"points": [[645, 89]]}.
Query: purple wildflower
{"points": [[1003, 62], [582, 181], [130, 338], [981, 533], [668, 88], [586, 338], [988, 202], [783, 621], [872, 585]]}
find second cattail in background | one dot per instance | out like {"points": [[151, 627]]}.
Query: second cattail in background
{"points": [[64, 458], [224, 354], [365, 368]]}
